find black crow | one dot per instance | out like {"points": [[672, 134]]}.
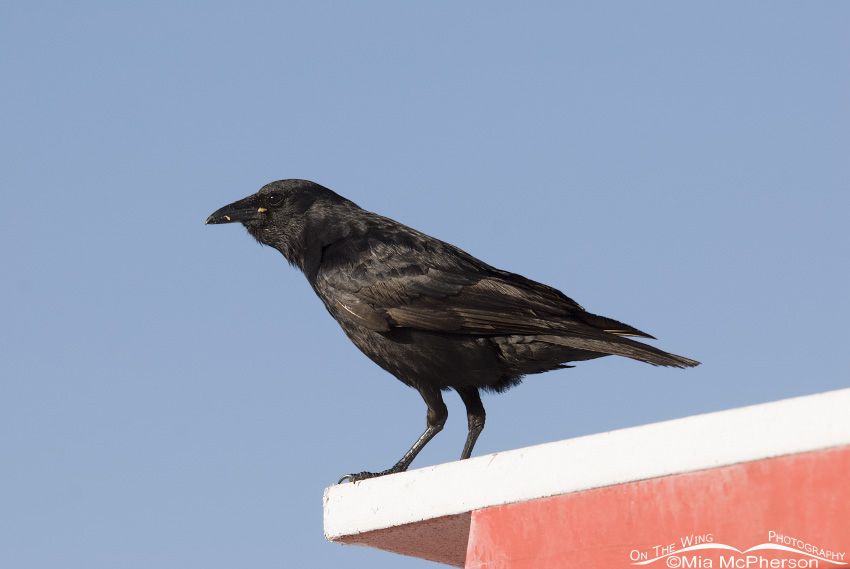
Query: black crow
{"points": [[432, 315]]}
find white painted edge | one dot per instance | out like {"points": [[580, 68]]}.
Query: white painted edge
{"points": [[801, 424]]}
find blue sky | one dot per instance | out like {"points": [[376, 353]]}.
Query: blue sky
{"points": [[173, 395]]}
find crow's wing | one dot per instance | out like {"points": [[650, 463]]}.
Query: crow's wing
{"points": [[431, 285], [414, 281]]}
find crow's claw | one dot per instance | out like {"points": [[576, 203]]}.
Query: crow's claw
{"points": [[366, 475]]}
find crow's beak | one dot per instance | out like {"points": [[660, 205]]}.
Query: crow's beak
{"points": [[237, 211]]}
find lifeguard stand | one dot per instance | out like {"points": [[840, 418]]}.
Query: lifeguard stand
{"points": [[766, 486]]}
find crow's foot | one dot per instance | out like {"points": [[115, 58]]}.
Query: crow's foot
{"points": [[367, 475]]}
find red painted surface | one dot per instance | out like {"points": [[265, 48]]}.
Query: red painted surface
{"points": [[805, 498], [443, 540]]}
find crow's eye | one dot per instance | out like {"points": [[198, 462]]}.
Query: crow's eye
{"points": [[275, 199]]}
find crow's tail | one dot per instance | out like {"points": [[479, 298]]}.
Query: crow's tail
{"points": [[619, 346]]}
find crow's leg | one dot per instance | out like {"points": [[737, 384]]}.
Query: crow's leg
{"points": [[475, 414], [436, 417]]}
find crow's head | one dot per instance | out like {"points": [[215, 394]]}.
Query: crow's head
{"points": [[293, 216]]}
